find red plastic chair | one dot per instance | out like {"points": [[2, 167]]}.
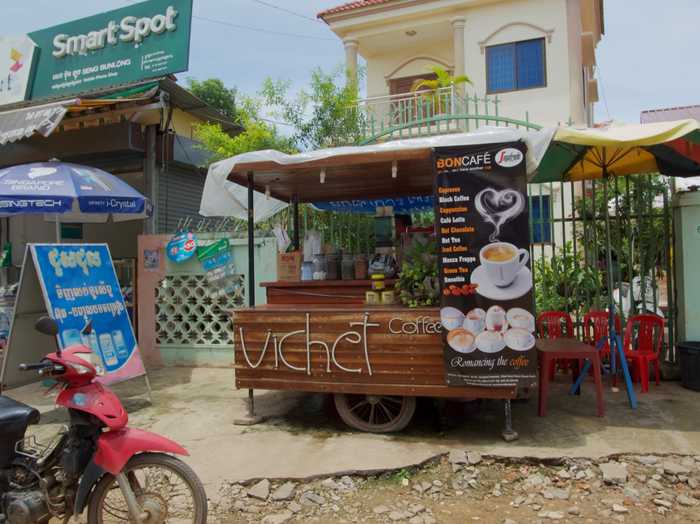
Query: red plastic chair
{"points": [[554, 324], [644, 336], [595, 328]]}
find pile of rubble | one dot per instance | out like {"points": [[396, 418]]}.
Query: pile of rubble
{"points": [[463, 485]]}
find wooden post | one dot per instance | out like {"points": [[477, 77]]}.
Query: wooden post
{"points": [[251, 240], [150, 172], [251, 271], [295, 217]]}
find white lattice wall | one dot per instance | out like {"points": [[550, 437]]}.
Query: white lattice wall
{"points": [[187, 315]]}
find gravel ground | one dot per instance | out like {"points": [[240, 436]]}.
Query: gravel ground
{"points": [[464, 486]]}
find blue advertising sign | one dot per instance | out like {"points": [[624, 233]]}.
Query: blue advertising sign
{"points": [[181, 247], [401, 205], [80, 285]]}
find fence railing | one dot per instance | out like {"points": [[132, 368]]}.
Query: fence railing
{"points": [[569, 248], [425, 113]]}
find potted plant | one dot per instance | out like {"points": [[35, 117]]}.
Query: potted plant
{"points": [[418, 283], [430, 89]]}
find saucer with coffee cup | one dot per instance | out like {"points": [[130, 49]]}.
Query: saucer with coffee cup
{"points": [[503, 273], [502, 262]]}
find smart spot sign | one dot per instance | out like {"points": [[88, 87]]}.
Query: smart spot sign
{"points": [[137, 42]]}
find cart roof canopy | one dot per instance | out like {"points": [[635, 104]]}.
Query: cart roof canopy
{"points": [[344, 173]]}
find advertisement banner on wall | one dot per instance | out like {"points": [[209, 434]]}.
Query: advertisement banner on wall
{"points": [[79, 284], [136, 42], [16, 61], [486, 283]]}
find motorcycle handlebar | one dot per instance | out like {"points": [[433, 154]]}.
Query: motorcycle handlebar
{"points": [[31, 367], [44, 368]]}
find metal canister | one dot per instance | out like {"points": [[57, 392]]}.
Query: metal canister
{"points": [[360, 267], [332, 266], [378, 282], [347, 269]]}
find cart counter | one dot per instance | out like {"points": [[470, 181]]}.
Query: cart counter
{"points": [[355, 349]]}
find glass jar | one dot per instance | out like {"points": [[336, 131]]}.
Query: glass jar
{"points": [[307, 270], [319, 267]]}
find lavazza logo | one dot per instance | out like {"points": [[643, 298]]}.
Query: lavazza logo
{"points": [[508, 157]]}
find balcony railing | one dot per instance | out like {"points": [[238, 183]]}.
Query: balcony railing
{"points": [[424, 113]]}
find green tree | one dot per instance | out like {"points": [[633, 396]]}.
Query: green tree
{"points": [[257, 134], [324, 115], [216, 94]]}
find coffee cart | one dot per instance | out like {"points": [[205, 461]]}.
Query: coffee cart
{"points": [[320, 335]]}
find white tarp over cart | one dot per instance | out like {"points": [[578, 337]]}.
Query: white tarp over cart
{"points": [[222, 197]]}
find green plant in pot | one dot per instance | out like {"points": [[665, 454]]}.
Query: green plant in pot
{"points": [[418, 283]]}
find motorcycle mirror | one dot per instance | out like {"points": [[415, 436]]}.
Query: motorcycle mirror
{"points": [[87, 329], [47, 326]]}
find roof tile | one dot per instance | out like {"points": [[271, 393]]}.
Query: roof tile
{"points": [[350, 6]]}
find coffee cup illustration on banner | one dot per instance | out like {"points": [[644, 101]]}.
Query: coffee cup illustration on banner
{"points": [[503, 273], [502, 262]]}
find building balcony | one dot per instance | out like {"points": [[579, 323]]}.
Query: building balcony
{"points": [[426, 113]]}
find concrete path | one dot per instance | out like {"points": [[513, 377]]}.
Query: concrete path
{"points": [[303, 437]]}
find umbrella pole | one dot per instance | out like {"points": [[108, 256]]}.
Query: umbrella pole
{"points": [[615, 340], [58, 229]]}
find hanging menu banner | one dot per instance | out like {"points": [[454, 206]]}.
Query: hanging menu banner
{"points": [[484, 260]]}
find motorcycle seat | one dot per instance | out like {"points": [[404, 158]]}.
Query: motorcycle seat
{"points": [[16, 416]]}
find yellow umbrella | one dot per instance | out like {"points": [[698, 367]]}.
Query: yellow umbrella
{"points": [[618, 150]]}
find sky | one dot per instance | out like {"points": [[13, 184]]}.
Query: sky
{"points": [[647, 58]]}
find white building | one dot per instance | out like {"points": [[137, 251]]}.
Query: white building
{"points": [[538, 56], [531, 63]]}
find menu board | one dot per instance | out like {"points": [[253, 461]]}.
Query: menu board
{"points": [[486, 306]]}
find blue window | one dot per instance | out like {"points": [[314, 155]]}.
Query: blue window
{"points": [[541, 219], [518, 65]]}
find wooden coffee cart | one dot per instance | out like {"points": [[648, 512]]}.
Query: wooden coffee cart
{"points": [[319, 336]]}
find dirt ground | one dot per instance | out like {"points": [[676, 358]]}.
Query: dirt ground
{"points": [[463, 487], [302, 437]]}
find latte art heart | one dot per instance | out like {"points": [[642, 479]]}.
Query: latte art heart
{"points": [[498, 207]]}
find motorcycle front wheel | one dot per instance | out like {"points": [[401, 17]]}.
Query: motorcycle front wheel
{"points": [[166, 488]]}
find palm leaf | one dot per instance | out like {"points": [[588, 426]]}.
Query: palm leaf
{"points": [[423, 84]]}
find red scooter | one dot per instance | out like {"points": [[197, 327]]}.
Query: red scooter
{"points": [[119, 474]]}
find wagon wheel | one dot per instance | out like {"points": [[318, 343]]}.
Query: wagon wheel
{"points": [[375, 413]]}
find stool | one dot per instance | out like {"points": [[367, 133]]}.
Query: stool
{"points": [[549, 350]]}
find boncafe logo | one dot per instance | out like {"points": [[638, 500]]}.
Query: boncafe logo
{"points": [[473, 160], [508, 157]]}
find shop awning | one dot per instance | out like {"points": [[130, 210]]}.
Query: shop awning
{"points": [[22, 123], [344, 173]]}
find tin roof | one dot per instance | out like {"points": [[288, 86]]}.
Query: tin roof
{"points": [[670, 113], [351, 6]]}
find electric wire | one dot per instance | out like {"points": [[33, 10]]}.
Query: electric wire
{"points": [[285, 10], [260, 29], [599, 70]]}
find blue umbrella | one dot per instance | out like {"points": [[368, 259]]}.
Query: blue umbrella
{"points": [[78, 193]]}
